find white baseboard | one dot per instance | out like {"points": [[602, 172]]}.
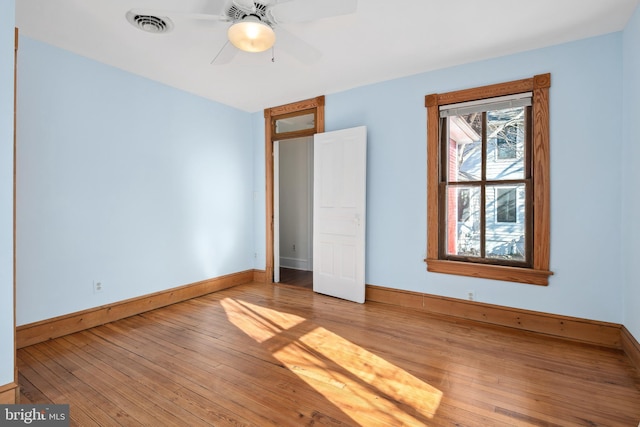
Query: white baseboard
{"points": [[295, 263]]}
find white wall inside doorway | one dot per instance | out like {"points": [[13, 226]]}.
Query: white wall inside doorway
{"points": [[296, 203]]}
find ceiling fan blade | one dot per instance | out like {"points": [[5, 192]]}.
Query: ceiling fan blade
{"points": [[225, 55], [310, 10], [295, 46], [245, 5], [214, 7]]}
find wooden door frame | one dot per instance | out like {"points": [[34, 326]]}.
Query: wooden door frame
{"points": [[315, 105]]}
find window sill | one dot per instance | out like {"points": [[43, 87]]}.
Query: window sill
{"points": [[485, 271]]}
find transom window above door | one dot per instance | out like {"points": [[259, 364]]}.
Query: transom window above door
{"points": [[294, 123]]}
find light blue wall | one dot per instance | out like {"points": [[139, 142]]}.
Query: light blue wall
{"points": [[125, 181], [586, 94], [259, 191], [7, 24], [631, 174]]}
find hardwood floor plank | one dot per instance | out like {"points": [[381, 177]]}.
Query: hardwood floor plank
{"points": [[301, 278], [29, 392], [264, 355]]}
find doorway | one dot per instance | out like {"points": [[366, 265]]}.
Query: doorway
{"points": [[293, 200], [289, 122]]}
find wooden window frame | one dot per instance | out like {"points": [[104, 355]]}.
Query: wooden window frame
{"points": [[539, 272]]}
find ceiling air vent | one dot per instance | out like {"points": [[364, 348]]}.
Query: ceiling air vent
{"points": [[236, 14], [150, 24]]}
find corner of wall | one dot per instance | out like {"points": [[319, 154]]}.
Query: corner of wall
{"points": [[630, 175], [7, 305]]}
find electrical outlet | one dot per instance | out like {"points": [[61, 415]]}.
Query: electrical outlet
{"points": [[97, 287], [294, 247], [471, 295]]}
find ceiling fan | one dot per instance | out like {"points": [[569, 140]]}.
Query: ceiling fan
{"points": [[254, 24]]}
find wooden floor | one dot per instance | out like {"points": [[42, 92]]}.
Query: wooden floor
{"points": [[302, 278], [261, 355]]}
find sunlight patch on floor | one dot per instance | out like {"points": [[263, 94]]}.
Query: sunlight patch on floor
{"points": [[361, 384]]}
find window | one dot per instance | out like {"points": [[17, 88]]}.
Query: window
{"points": [[506, 210], [488, 181]]}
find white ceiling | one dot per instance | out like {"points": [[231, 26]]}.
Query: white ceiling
{"points": [[381, 41]]}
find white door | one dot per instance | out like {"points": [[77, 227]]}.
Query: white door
{"points": [[340, 160]]}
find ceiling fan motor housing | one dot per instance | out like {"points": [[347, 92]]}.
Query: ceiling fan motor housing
{"points": [[259, 11]]}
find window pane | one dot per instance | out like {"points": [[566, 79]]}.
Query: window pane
{"points": [[505, 222], [464, 151], [463, 221], [294, 123], [506, 143]]}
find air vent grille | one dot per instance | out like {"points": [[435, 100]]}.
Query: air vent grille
{"points": [[149, 23]]}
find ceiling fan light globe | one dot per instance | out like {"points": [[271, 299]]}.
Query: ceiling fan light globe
{"points": [[251, 35]]}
